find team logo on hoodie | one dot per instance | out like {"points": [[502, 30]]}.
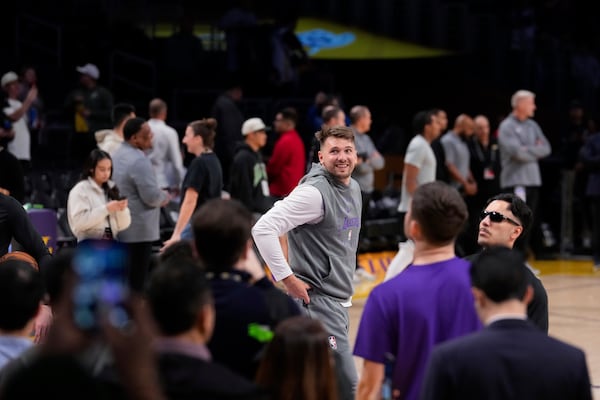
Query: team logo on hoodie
{"points": [[332, 342]]}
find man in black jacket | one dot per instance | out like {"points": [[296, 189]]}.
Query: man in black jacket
{"points": [[504, 221], [248, 177], [248, 305]]}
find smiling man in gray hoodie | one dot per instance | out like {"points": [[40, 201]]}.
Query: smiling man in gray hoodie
{"points": [[322, 219]]}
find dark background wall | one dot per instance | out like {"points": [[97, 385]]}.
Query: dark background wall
{"points": [[548, 46], [500, 46]]}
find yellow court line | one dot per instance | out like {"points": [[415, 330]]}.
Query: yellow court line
{"points": [[377, 263]]}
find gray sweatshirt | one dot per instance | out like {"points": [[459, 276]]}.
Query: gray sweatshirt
{"points": [[324, 254], [521, 144], [364, 172]]}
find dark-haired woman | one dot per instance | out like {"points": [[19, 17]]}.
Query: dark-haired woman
{"points": [[95, 210], [299, 363], [204, 178]]}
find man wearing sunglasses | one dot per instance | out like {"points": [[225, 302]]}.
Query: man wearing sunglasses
{"points": [[505, 221]]}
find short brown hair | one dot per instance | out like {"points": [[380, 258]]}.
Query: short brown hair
{"points": [[221, 230], [440, 211], [207, 129], [342, 132]]}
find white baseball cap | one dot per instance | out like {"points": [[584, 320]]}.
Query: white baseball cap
{"points": [[9, 77], [89, 69], [253, 125]]}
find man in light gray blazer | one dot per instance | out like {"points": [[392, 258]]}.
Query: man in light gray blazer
{"points": [[134, 175]]}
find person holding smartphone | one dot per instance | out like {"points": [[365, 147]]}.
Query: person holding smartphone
{"points": [[95, 209]]}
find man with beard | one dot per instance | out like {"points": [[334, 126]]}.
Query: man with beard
{"points": [[322, 219], [505, 221]]}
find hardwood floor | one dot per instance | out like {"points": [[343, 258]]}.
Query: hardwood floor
{"points": [[573, 295]]}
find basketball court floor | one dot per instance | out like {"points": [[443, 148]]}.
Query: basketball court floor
{"points": [[573, 297]]}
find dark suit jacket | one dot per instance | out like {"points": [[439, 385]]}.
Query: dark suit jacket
{"points": [[509, 359]]}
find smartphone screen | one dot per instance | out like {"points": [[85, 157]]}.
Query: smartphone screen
{"points": [[102, 288]]}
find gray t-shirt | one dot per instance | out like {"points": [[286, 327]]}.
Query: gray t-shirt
{"points": [[420, 155], [457, 153], [364, 173]]}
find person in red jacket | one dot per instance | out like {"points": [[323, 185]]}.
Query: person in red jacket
{"points": [[288, 160]]}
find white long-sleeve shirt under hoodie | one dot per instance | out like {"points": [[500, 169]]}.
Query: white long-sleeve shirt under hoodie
{"points": [[304, 205]]}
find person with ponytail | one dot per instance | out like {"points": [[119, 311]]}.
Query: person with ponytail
{"points": [[204, 178]]}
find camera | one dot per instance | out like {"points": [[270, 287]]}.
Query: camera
{"points": [[364, 155]]}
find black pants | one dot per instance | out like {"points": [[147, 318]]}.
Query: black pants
{"points": [[140, 254]]}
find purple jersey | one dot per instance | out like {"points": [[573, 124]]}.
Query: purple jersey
{"points": [[411, 313]]}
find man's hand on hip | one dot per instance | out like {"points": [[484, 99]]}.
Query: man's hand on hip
{"points": [[297, 288]]}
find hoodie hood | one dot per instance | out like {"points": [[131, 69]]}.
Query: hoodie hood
{"points": [[317, 170], [242, 146], [101, 135], [324, 253], [108, 140], [105, 136]]}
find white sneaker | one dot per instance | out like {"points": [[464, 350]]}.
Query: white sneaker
{"points": [[361, 275]]}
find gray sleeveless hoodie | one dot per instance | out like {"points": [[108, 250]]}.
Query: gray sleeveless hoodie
{"points": [[324, 254]]}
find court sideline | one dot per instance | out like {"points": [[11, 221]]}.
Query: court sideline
{"points": [[573, 298]]}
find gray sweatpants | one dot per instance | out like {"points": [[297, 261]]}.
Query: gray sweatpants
{"points": [[336, 320]]}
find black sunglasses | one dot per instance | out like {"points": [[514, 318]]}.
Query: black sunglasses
{"points": [[496, 217]]}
